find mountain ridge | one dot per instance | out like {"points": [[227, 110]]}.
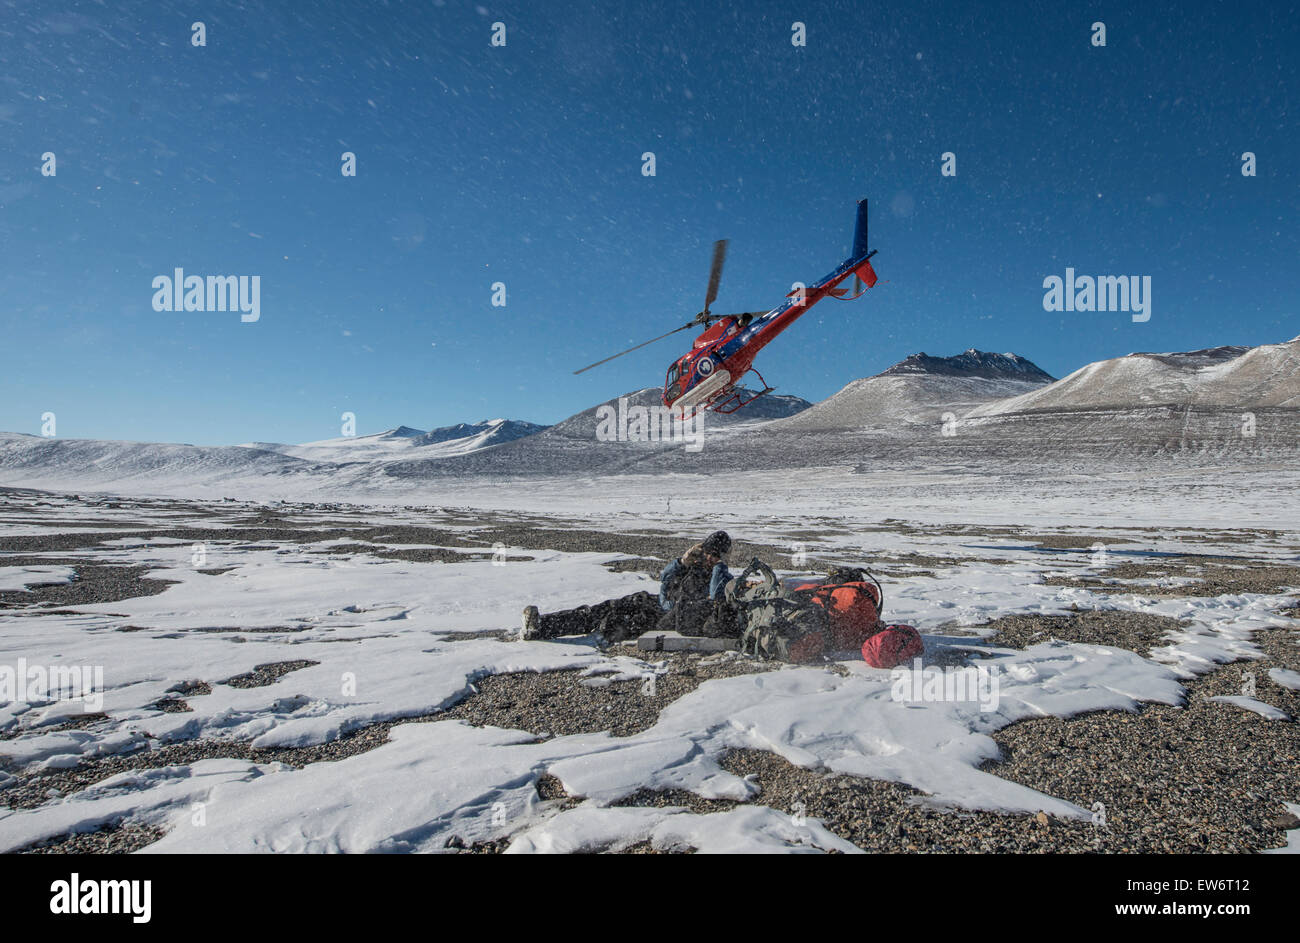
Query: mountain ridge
{"points": [[1216, 377], [919, 391], [970, 363], [1194, 407]]}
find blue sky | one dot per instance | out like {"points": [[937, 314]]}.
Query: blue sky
{"points": [[521, 164]]}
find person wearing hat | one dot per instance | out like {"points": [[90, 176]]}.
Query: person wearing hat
{"points": [[689, 586], [700, 573], [693, 588]]}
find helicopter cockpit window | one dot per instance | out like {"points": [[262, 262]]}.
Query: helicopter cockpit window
{"points": [[672, 374]]}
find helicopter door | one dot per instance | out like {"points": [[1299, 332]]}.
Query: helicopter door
{"points": [[672, 388]]}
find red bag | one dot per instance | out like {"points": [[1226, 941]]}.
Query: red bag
{"points": [[853, 611], [891, 646], [808, 648]]}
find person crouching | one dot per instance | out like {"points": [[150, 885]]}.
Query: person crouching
{"points": [[690, 589]]}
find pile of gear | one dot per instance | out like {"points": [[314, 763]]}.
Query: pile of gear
{"points": [[802, 622], [814, 620]]}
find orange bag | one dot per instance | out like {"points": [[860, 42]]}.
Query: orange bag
{"points": [[852, 608]]}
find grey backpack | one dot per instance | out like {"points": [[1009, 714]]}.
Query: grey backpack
{"points": [[776, 622]]}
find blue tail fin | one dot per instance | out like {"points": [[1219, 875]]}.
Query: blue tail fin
{"points": [[860, 231]]}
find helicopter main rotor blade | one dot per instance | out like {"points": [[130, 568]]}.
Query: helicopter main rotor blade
{"points": [[637, 347], [715, 272]]}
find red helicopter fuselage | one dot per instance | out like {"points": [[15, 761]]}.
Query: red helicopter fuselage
{"points": [[707, 376]]}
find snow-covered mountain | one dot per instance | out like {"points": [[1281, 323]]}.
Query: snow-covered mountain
{"points": [[971, 363], [470, 437], [583, 425], [916, 393], [1218, 377], [579, 445], [31, 461], [405, 442], [361, 448], [1200, 407]]}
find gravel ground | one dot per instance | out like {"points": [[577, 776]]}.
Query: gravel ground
{"points": [[1205, 777], [558, 704], [1208, 778], [262, 675], [1212, 578], [1135, 631], [80, 722], [116, 839], [876, 816], [656, 548], [94, 583], [32, 791], [1123, 535]]}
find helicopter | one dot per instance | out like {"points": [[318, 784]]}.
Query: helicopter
{"points": [[709, 374]]}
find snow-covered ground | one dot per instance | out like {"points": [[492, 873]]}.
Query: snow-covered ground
{"points": [[383, 635]]}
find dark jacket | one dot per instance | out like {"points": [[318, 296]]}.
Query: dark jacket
{"points": [[713, 589], [693, 595]]}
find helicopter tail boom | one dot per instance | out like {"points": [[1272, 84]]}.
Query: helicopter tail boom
{"points": [[860, 231], [798, 302]]}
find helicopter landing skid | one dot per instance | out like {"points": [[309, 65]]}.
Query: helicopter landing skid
{"points": [[734, 398]]}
